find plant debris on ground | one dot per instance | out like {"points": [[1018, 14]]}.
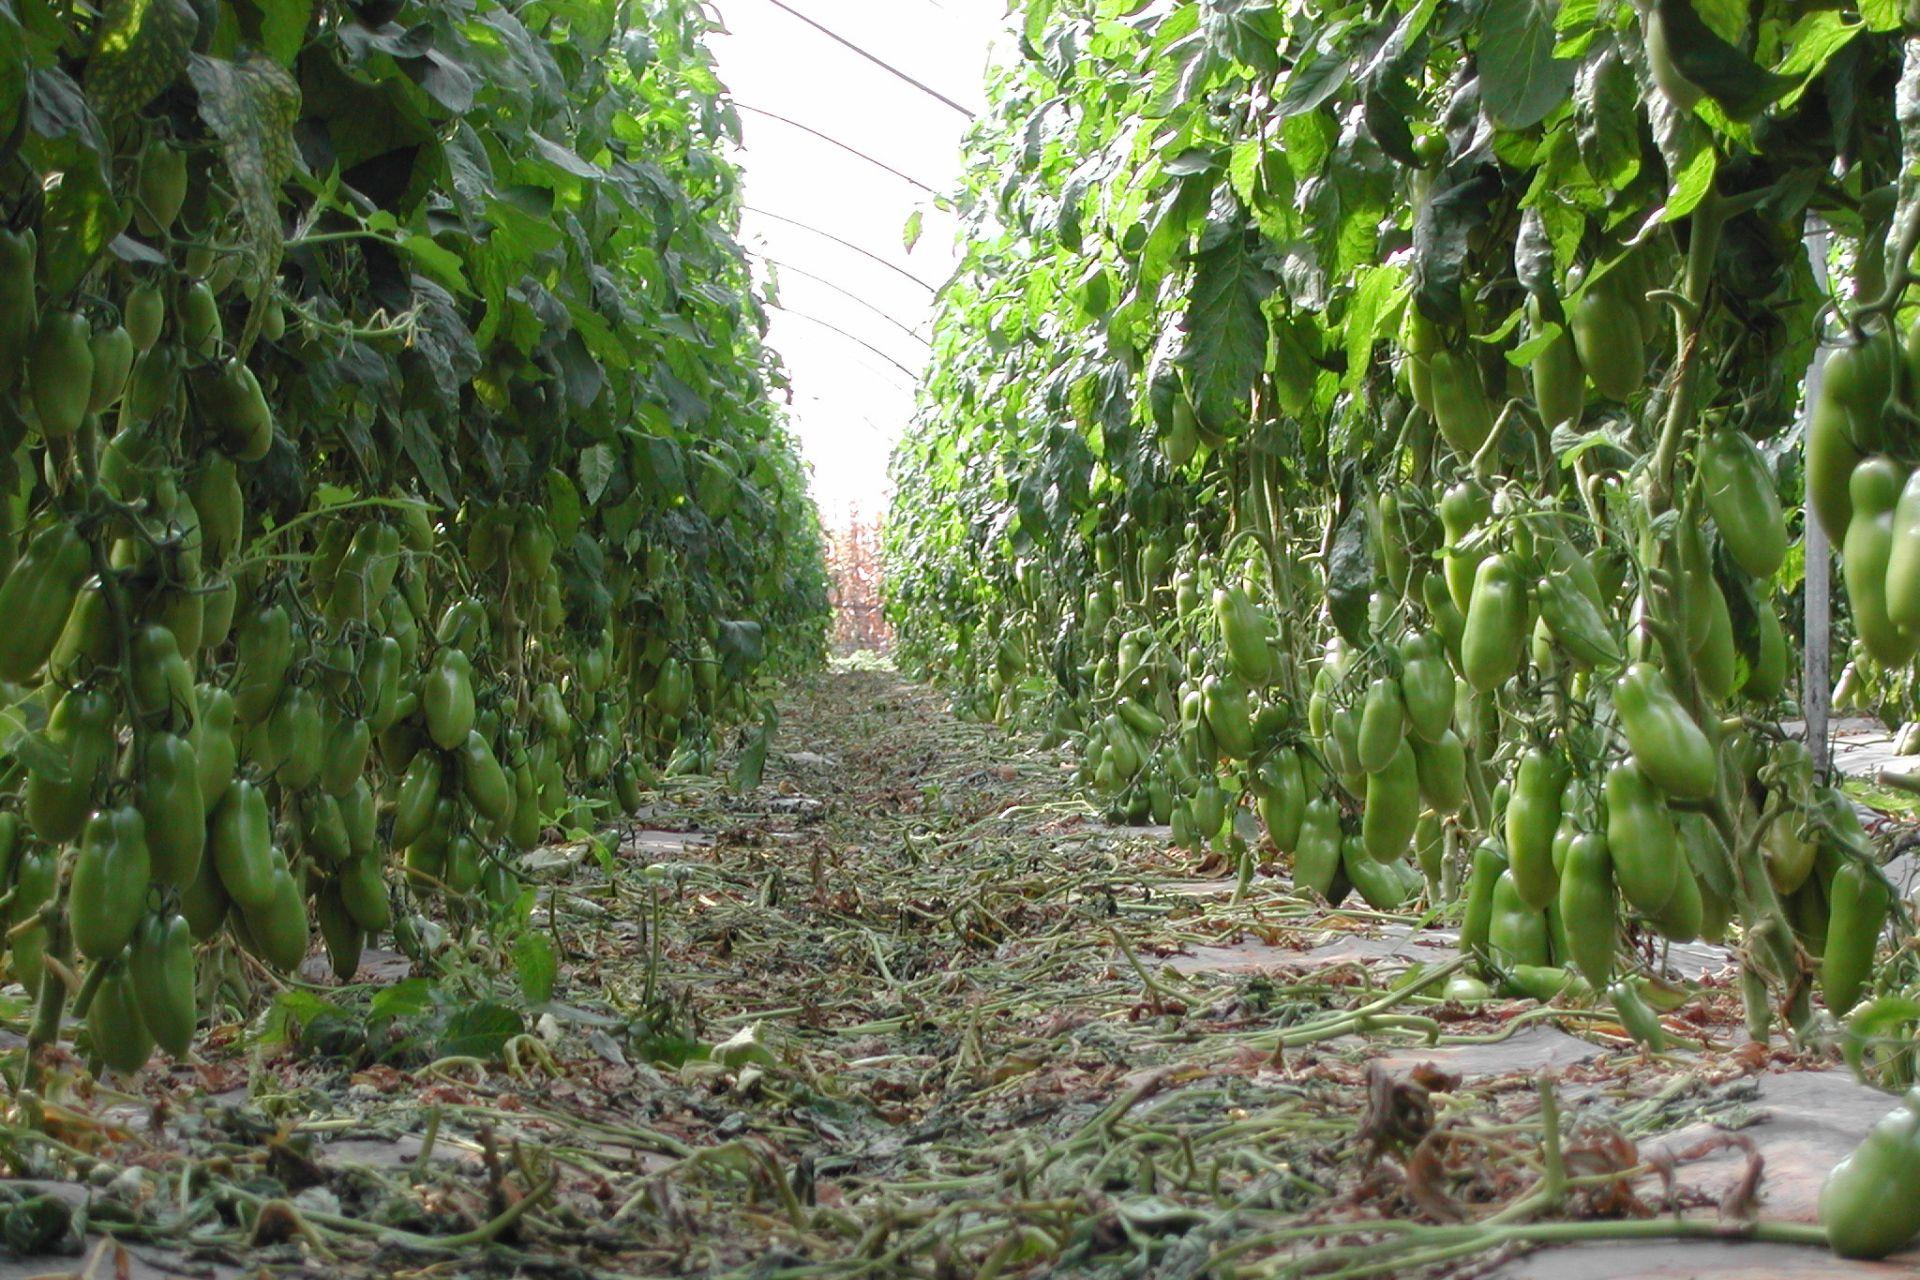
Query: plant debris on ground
{"points": [[909, 1008]]}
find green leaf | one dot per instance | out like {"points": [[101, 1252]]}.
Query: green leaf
{"points": [[479, 1031], [534, 963], [1607, 119], [910, 234], [1812, 42], [1706, 59], [1350, 573], [1881, 15], [283, 27], [1520, 79], [596, 470], [1225, 345], [31, 748], [1377, 299], [1691, 184], [251, 105], [139, 48]]}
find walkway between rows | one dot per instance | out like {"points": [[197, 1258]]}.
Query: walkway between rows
{"points": [[910, 1008]]}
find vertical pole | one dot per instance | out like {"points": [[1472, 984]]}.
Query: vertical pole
{"points": [[1816, 677]]}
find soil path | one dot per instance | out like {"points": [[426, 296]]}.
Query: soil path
{"points": [[910, 1009]]}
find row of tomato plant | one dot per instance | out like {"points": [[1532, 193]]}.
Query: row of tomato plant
{"points": [[391, 475], [1371, 434]]}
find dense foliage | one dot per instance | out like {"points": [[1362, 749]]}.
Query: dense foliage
{"points": [[392, 470], [1376, 419]]}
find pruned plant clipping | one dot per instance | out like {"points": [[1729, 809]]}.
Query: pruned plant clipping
{"points": [[1353, 788]]}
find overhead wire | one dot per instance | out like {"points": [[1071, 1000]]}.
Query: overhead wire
{"points": [[844, 292], [848, 244], [877, 163], [877, 61], [850, 337]]}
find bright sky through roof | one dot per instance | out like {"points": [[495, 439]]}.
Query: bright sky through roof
{"points": [[850, 403]]}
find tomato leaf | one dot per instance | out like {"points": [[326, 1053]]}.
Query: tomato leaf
{"points": [[1521, 81]]}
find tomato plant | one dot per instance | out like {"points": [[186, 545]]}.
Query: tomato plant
{"points": [[391, 470], [1459, 361]]}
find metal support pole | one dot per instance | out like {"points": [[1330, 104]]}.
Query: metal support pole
{"points": [[1816, 677]]}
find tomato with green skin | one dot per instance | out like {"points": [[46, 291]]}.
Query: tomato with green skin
{"points": [[363, 891], [298, 738], [204, 903], [1383, 724], [1533, 818], [144, 314], [1464, 507], [1559, 384], [60, 373], [1426, 686], [1713, 661], [112, 350], [1228, 716], [1280, 794], [82, 729], [484, 782], [36, 877], [1577, 624], [108, 891], [344, 940], [1448, 624], [1606, 334], [1870, 1202], [1442, 768], [1516, 931], [161, 967], [240, 842], [344, 758], [1686, 556], [1384, 886], [1864, 559], [163, 692], [1682, 919], [359, 818], [1636, 1018], [1209, 809], [1858, 903], [322, 829], [37, 598], [1767, 664], [1489, 864], [1392, 807], [419, 792], [1844, 428], [173, 809], [1430, 850], [162, 185], [1496, 632], [1246, 631], [1671, 749], [1647, 858], [114, 1023], [1903, 559], [446, 695], [199, 318], [1316, 858], [215, 749], [1587, 907], [1740, 496], [1460, 406], [265, 651], [278, 928]]}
